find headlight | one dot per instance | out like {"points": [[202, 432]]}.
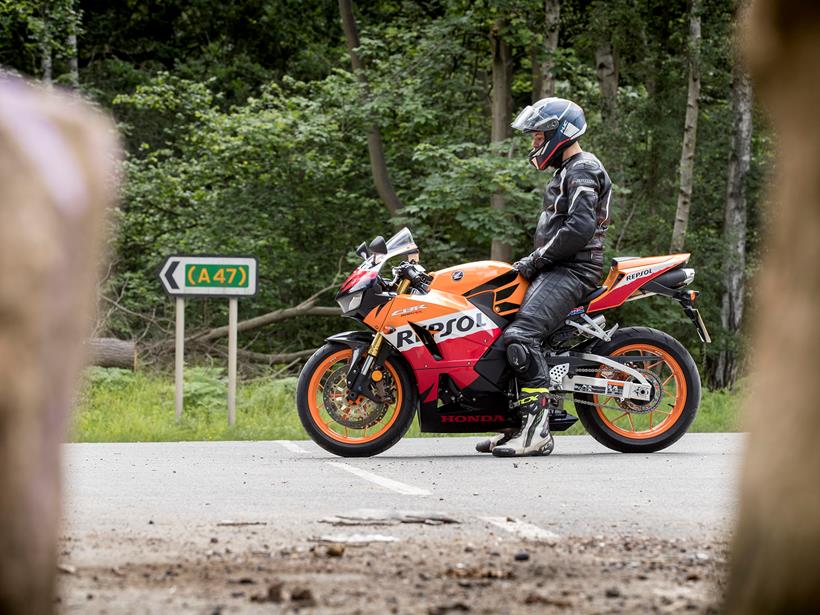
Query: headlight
{"points": [[350, 302]]}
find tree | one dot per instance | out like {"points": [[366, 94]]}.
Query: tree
{"points": [[45, 49], [73, 18], [375, 145], [725, 371], [776, 551], [690, 130], [606, 69], [543, 72], [501, 118], [51, 230]]}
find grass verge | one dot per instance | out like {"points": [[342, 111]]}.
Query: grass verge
{"points": [[120, 406]]}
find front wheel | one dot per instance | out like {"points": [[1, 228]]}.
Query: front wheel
{"points": [[359, 428], [631, 426]]}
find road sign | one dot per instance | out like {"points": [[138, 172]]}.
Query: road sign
{"points": [[208, 276], [205, 276]]}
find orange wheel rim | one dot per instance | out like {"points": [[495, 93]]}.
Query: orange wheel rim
{"points": [[672, 381], [332, 428]]}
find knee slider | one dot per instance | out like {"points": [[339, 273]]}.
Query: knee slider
{"points": [[519, 358]]}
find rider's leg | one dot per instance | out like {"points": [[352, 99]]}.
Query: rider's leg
{"points": [[533, 438], [549, 299]]}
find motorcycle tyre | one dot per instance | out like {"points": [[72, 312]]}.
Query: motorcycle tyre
{"points": [[394, 433], [602, 433]]}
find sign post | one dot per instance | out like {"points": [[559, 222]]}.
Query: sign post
{"points": [[179, 356], [233, 310], [208, 276]]}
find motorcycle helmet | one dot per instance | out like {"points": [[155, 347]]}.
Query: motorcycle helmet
{"points": [[561, 121]]}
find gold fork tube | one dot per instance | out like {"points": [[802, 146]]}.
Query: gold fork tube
{"points": [[376, 345]]}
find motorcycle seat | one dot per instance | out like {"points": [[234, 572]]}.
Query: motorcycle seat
{"points": [[616, 260], [594, 294]]}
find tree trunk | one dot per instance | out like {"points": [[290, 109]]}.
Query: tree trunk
{"points": [[375, 145], [606, 69], [734, 228], [111, 352], [51, 228], [71, 45], [777, 541], [543, 72], [501, 118], [45, 52], [690, 130]]}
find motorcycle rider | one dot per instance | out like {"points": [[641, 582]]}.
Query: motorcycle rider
{"points": [[565, 266]]}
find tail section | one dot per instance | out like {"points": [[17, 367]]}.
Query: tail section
{"points": [[628, 274]]}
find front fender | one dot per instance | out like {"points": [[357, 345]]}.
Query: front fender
{"points": [[360, 342], [353, 339]]}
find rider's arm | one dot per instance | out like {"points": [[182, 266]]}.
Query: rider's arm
{"points": [[579, 219]]}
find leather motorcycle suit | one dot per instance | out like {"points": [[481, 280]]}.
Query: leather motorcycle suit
{"points": [[567, 262]]}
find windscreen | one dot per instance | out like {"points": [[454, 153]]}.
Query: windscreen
{"points": [[366, 273], [401, 240], [399, 244]]}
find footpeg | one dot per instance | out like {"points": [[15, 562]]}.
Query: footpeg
{"points": [[557, 374]]}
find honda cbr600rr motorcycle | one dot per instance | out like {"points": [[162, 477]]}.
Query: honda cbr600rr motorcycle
{"points": [[434, 348]]}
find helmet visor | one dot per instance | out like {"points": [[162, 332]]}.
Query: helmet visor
{"points": [[526, 119], [533, 120]]}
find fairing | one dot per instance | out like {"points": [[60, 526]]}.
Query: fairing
{"points": [[438, 333], [626, 277]]}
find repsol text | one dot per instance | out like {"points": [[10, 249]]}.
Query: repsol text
{"points": [[444, 329]]}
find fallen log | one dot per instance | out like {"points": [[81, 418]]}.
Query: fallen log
{"points": [[307, 307], [270, 359], [112, 352], [266, 319]]}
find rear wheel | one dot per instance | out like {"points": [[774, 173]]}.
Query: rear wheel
{"points": [[358, 428], [631, 426]]}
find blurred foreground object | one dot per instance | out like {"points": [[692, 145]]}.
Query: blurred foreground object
{"points": [[57, 160], [777, 547]]}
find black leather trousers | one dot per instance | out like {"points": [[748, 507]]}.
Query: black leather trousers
{"points": [[550, 297]]}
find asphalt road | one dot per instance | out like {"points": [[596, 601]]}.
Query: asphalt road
{"points": [[583, 489]]}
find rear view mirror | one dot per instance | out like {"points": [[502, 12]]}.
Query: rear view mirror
{"points": [[378, 245], [362, 250]]}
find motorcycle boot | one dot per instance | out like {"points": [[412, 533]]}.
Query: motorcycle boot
{"points": [[487, 446], [534, 437]]}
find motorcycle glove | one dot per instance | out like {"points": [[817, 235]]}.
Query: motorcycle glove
{"points": [[530, 266]]}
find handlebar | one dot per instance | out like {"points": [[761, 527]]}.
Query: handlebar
{"points": [[414, 273]]}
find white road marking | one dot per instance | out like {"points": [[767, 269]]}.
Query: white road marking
{"points": [[387, 483], [291, 446], [525, 530]]}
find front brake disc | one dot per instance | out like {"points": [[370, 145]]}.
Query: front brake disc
{"points": [[358, 414]]}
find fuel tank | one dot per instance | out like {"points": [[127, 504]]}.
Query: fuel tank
{"points": [[490, 282]]}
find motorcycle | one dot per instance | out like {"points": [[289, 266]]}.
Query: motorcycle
{"points": [[434, 348]]}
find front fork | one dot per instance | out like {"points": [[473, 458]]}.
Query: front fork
{"points": [[358, 379]]}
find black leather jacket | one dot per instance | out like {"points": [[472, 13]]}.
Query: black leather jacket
{"points": [[576, 214]]}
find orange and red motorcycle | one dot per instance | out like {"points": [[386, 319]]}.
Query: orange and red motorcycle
{"points": [[434, 348]]}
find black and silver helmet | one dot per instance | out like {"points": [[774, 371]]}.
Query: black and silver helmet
{"points": [[561, 121]]}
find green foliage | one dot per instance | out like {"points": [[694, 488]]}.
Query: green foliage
{"points": [[118, 406], [247, 133], [121, 406], [272, 178]]}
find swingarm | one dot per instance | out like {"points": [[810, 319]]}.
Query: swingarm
{"points": [[564, 377]]}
